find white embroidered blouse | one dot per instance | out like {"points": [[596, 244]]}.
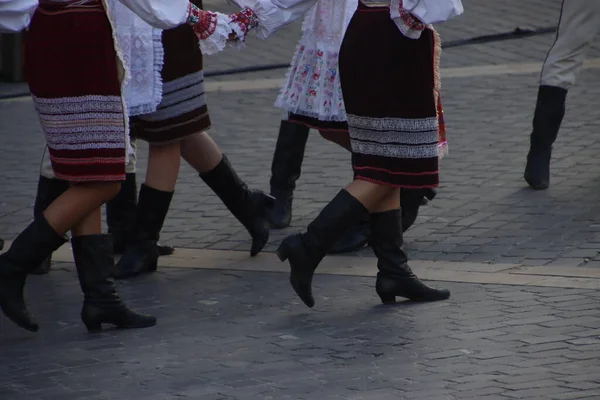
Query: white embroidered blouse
{"points": [[411, 16]]}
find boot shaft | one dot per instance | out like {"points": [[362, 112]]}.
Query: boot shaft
{"points": [[387, 241], [94, 261], [548, 116], [286, 166], [48, 190], [38, 241], [152, 209], [341, 213], [120, 211], [233, 192]]}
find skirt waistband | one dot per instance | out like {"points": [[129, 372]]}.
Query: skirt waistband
{"points": [[365, 5]]}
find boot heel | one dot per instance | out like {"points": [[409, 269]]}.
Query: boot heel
{"points": [[93, 327], [387, 298], [153, 265]]}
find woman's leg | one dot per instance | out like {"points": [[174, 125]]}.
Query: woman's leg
{"points": [[305, 251], [72, 208], [395, 278], [78, 210], [249, 207], [164, 162], [201, 152], [153, 205], [93, 254]]}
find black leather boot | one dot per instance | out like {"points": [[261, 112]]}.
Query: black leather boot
{"points": [[120, 217], [285, 171], [25, 254], [353, 239], [410, 202], [250, 207], [395, 278], [101, 305], [48, 190], [142, 254], [549, 113], [305, 251]]}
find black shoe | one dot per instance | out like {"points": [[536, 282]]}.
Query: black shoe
{"points": [[250, 207], [410, 202], [353, 239], [305, 251], [548, 116], [1, 244], [94, 260], [285, 171], [395, 278], [25, 254], [142, 254], [537, 170], [48, 190]]}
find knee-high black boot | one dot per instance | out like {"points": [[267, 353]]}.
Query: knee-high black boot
{"points": [[549, 113], [142, 254], [285, 171], [120, 217], [395, 278], [48, 190], [410, 202], [102, 305], [25, 254], [250, 207], [305, 251]]}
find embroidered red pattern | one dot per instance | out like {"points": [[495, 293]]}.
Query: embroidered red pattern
{"points": [[207, 25], [245, 19], [194, 14], [408, 19]]}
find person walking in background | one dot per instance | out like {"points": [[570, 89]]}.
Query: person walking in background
{"points": [[578, 25]]}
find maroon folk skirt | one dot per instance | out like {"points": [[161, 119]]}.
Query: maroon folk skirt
{"points": [[71, 68], [182, 111], [388, 85]]}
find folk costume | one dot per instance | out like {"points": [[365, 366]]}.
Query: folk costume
{"points": [[386, 50]]}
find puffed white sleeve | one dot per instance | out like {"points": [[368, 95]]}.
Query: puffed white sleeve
{"points": [[161, 14], [274, 14], [211, 28], [433, 11], [15, 15]]}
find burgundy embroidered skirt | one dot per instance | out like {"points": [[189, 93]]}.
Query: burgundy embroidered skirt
{"points": [[183, 109], [323, 126], [71, 68], [388, 86]]}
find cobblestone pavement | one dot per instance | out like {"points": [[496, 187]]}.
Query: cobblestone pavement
{"points": [[244, 335]]}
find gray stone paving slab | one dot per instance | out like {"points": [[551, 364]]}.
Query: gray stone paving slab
{"points": [[244, 335]]}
